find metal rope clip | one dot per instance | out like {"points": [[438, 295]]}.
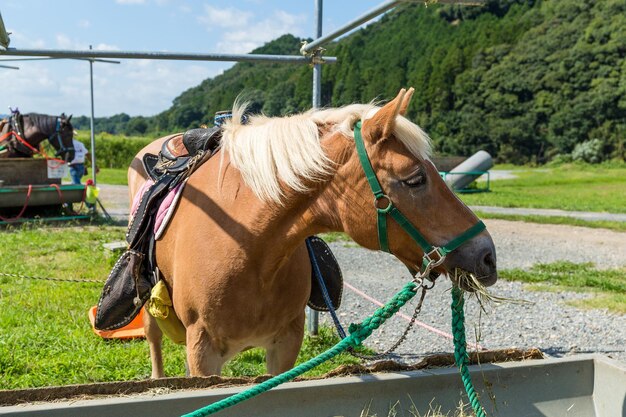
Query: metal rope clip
{"points": [[432, 263], [419, 277], [419, 281]]}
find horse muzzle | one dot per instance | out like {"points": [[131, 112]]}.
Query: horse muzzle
{"points": [[476, 257]]}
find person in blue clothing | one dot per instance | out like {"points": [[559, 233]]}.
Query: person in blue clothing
{"points": [[77, 165]]}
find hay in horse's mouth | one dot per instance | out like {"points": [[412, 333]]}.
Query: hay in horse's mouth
{"points": [[469, 282]]}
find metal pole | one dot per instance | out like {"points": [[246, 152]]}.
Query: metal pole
{"points": [[182, 56], [313, 316], [91, 125], [317, 68], [309, 47], [47, 58]]}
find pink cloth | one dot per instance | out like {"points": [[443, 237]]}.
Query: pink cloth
{"points": [[133, 208], [165, 210]]}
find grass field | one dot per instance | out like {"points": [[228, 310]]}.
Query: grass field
{"points": [[609, 286], [45, 335], [114, 176], [46, 338], [567, 187]]}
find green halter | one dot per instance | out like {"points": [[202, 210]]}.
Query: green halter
{"points": [[405, 224]]}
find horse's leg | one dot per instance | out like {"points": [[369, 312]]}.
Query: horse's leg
{"points": [[202, 359], [154, 336], [282, 353]]}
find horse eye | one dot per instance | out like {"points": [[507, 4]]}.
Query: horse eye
{"points": [[415, 181]]}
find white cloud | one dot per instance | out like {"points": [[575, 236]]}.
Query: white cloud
{"points": [[224, 17], [136, 87], [106, 47], [84, 23], [32, 88], [240, 33], [65, 42], [20, 40], [147, 87], [133, 2]]}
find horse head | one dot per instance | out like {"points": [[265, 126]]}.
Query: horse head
{"points": [[62, 139], [411, 213]]}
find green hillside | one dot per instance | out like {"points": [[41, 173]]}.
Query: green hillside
{"points": [[527, 81]]}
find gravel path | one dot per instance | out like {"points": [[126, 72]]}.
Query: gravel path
{"points": [[547, 322]]}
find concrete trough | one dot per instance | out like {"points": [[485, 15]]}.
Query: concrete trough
{"points": [[580, 386]]}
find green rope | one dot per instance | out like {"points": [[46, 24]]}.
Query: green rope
{"points": [[460, 353], [358, 333]]}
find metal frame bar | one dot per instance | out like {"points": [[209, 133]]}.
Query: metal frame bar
{"points": [[322, 40], [177, 56], [312, 315], [92, 133], [46, 58]]}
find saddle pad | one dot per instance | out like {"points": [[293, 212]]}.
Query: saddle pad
{"points": [[143, 214], [324, 263], [165, 209], [137, 199]]}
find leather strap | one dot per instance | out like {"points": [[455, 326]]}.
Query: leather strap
{"points": [[384, 206]]}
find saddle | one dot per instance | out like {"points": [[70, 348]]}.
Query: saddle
{"points": [[15, 123], [134, 275]]}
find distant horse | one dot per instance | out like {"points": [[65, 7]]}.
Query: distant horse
{"points": [[21, 139], [234, 257]]}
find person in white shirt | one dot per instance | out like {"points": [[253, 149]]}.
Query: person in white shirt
{"points": [[77, 165]]}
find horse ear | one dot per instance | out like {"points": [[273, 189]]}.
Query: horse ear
{"points": [[382, 125], [69, 118], [406, 101]]}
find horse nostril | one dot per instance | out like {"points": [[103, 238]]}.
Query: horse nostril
{"points": [[489, 260]]}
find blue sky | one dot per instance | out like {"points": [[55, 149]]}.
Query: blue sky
{"points": [[142, 87]]}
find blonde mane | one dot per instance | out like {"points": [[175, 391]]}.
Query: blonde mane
{"points": [[271, 150]]}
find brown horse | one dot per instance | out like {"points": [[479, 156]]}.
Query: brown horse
{"points": [[22, 139], [233, 256]]}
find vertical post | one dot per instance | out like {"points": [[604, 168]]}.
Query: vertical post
{"points": [[91, 122], [317, 68], [312, 315]]}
